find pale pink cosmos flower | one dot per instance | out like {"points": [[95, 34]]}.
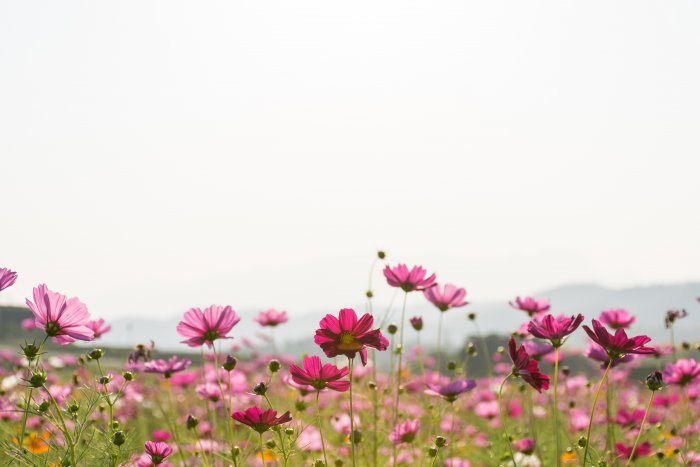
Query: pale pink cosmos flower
{"points": [[450, 296], [404, 432], [28, 324], [64, 319], [7, 278], [531, 305], [683, 372], [617, 318], [271, 318], [205, 327], [408, 279], [99, 328]]}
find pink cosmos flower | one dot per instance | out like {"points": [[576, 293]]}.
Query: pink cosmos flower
{"points": [[261, 421], [451, 391], [643, 450], [449, 297], [28, 324], [157, 451], [537, 349], [161, 436], [408, 280], [597, 353], [167, 369], [404, 432], [346, 335], [320, 377], [525, 445], [98, 327], [527, 368], [530, 305], [616, 319], [683, 372], [271, 318], [7, 278], [619, 344], [555, 330], [205, 327], [625, 418], [64, 319]]}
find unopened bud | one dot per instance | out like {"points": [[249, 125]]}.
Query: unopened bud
{"points": [[191, 422], [128, 376], [582, 442], [357, 437], [392, 328], [451, 365], [369, 294], [260, 389], [289, 431], [381, 254], [471, 316], [274, 366], [38, 379], [230, 363], [118, 438], [655, 381], [432, 451], [440, 441], [96, 354]]}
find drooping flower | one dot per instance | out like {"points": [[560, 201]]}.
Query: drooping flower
{"points": [[205, 327], [408, 280], [346, 335], [449, 297], [271, 318], [319, 376], [643, 450], [597, 353], [683, 372], [526, 367], [404, 432], [158, 451], [64, 319], [450, 391], [531, 305], [555, 330], [99, 328], [167, 368], [7, 278], [261, 421], [617, 318], [619, 344]]}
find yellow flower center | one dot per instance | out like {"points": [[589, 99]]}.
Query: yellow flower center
{"points": [[348, 342]]}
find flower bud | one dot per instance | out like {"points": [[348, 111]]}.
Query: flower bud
{"points": [[300, 405], [105, 379], [582, 442], [274, 366], [500, 349], [381, 254], [96, 354], [471, 349], [128, 376], [191, 422], [417, 323], [270, 444], [432, 451], [30, 351], [391, 329], [118, 438], [236, 451], [655, 381], [38, 379], [685, 345], [338, 462], [451, 365], [440, 441], [289, 431], [319, 463], [116, 425], [73, 408], [230, 363], [565, 370], [471, 316], [357, 437], [369, 294], [372, 385], [44, 406], [260, 389]]}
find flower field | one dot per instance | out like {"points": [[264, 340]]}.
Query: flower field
{"points": [[365, 398]]}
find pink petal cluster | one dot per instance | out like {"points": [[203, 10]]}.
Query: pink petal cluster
{"points": [[158, 451], [64, 319], [204, 327], [404, 432], [271, 318], [319, 376], [683, 372], [449, 297], [526, 367], [531, 305], [617, 318], [261, 421], [408, 279], [99, 328], [167, 368], [346, 335], [619, 344], [7, 278], [554, 329]]}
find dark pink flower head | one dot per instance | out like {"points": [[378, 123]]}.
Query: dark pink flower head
{"points": [[625, 418], [404, 432], [619, 344], [7, 278], [537, 349], [554, 329], [451, 391], [346, 335], [167, 368], [408, 280], [205, 327], [616, 319], [449, 297], [319, 376], [597, 353], [525, 445], [526, 367], [643, 450], [261, 421], [683, 372], [271, 318], [64, 319], [158, 451], [531, 305], [99, 328]]}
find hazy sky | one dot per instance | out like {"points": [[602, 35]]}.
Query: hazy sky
{"points": [[162, 155]]}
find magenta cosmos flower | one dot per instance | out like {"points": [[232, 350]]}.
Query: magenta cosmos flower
{"points": [[616, 319], [530, 305], [683, 372], [525, 445], [449, 297], [619, 344], [64, 319], [451, 391], [205, 327], [526, 367], [346, 335], [555, 330], [99, 328], [261, 421], [408, 280], [404, 432], [271, 318], [7, 278], [319, 376], [158, 451], [643, 450], [597, 353], [167, 368]]}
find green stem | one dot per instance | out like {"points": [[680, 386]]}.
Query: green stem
{"points": [[262, 450], [641, 427], [352, 419], [595, 401], [227, 411], [555, 406], [66, 432], [28, 394], [438, 350], [320, 428], [484, 349], [503, 422], [400, 352]]}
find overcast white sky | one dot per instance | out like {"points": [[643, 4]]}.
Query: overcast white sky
{"points": [[162, 155]]}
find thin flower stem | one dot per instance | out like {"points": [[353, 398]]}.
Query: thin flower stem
{"points": [[320, 429], [28, 394], [262, 450], [503, 422], [438, 350], [66, 432], [176, 432], [400, 351], [595, 401], [555, 406], [352, 419], [641, 428], [227, 411]]}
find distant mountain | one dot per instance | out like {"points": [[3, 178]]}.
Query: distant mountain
{"points": [[648, 304]]}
